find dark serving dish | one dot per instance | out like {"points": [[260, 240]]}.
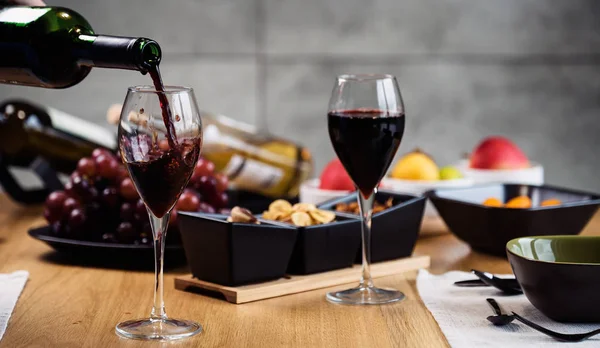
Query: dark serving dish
{"points": [[113, 254], [394, 231], [488, 229], [235, 253], [560, 275], [326, 247]]}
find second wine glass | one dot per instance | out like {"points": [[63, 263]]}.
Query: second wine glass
{"points": [[160, 136], [366, 124]]}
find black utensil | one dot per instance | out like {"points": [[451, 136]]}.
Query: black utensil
{"points": [[504, 285], [503, 319], [499, 319]]}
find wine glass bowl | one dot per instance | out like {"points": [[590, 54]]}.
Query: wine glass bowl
{"points": [[366, 125], [160, 136]]}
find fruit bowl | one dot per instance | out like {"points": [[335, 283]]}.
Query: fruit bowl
{"points": [[488, 229], [311, 193], [533, 175]]}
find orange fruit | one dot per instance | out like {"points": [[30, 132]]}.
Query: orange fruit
{"points": [[492, 202], [550, 202], [520, 202]]}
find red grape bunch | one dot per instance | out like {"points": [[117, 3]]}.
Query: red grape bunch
{"points": [[100, 202]]}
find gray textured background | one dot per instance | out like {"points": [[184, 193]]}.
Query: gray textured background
{"points": [[527, 69]]}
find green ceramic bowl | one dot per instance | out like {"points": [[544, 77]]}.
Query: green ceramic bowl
{"points": [[560, 275]]}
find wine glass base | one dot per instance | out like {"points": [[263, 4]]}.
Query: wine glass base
{"points": [[365, 296], [157, 329]]}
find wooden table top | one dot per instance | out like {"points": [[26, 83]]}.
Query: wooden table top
{"points": [[72, 306]]}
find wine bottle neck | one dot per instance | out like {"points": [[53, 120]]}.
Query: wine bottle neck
{"points": [[118, 52]]}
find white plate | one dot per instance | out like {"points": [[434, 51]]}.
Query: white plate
{"points": [[311, 193], [530, 176]]}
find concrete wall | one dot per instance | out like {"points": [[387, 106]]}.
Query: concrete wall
{"points": [[527, 69]]}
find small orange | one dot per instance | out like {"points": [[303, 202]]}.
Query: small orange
{"points": [[519, 202], [492, 202], [550, 202]]}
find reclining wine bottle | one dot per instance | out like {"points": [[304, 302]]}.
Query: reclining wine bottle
{"points": [[55, 47]]}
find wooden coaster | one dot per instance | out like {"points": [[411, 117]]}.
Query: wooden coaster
{"points": [[299, 283]]}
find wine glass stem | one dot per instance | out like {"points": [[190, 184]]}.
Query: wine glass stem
{"points": [[366, 211], [159, 233]]}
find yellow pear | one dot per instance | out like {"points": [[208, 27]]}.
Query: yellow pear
{"points": [[416, 165]]}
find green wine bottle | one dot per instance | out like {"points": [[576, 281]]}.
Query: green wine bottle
{"points": [[55, 47]]}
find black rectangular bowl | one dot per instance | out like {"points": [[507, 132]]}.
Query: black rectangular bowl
{"points": [[234, 253], [394, 231], [325, 247], [488, 229]]}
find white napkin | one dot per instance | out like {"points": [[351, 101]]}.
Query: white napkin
{"points": [[11, 285], [461, 314]]}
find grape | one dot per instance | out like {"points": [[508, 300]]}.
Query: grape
{"points": [[206, 208], [109, 237], [77, 218], [86, 167], [94, 211], [99, 152], [57, 228], [140, 207], [110, 197], [207, 185], [220, 200], [173, 218], [146, 241], [107, 166], [127, 190], [125, 231], [204, 167], [126, 212], [188, 201], [52, 216], [82, 188], [122, 173], [222, 182], [69, 205], [55, 201], [69, 189]]}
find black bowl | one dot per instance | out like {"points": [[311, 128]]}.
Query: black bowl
{"points": [[234, 253], [488, 229], [326, 247], [560, 275], [394, 231]]}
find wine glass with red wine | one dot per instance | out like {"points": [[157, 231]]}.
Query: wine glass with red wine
{"points": [[160, 136], [366, 124]]}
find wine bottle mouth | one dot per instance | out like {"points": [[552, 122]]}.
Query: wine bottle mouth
{"points": [[167, 89]]}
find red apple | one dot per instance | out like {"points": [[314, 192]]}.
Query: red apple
{"points": [[335, 177], [497, 152]]}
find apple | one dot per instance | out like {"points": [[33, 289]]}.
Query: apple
{"points": [[334, 177], [498, 152]]}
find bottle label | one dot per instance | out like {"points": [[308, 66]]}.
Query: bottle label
{"points": [[251, 174]]}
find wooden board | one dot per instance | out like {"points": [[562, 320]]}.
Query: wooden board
{"points": [[300, 283]]}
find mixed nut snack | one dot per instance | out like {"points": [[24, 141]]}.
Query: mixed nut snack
{"points": [[242, 215], [353, 207], [299, 214]]}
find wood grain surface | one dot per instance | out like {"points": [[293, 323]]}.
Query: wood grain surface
{"points": [[67, 305]]}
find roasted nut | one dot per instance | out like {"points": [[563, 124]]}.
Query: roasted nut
{"points": [[301, 218], [242, 215]]}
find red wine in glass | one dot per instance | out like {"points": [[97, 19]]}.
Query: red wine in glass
{"points": [[365, 142], [161, 179]]}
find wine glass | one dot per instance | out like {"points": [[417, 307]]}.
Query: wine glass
{"points": [[160, 136], [366, 124]]}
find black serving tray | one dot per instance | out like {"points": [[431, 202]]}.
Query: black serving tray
{"points": [[488, 229], [394, 231], [107, 254]]}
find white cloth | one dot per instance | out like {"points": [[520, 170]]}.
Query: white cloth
{"points": [[461, 313], [11, 285]]}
